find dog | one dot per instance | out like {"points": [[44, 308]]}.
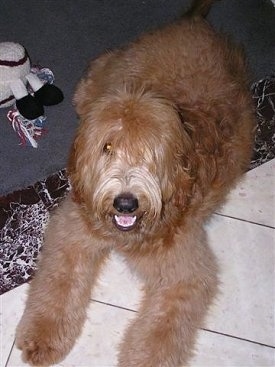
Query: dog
{"points": [[166, 130]]}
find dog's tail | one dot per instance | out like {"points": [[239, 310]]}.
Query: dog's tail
{"points": [[199, 8]]}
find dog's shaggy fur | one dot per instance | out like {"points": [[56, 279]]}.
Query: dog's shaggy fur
{"points": [[166, 128]]}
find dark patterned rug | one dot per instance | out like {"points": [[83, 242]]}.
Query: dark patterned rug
{"points": [[24, 214]]}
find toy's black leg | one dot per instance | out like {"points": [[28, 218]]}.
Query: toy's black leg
{"points": [[49, 95], [29, 108], [45, 94], [27, 105]]}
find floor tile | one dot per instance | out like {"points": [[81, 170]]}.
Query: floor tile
{"points": [[245, 306], [246, 255], [244, 309], [254, 197], [12, 304], [117, 285], [215, 350], [98, 344]]}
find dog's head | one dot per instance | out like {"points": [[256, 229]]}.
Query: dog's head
{"points": [[127, 163]]}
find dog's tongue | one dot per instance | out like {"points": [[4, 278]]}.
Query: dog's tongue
{"points": [[125, 221]]}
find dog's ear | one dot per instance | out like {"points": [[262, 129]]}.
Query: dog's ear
{"points": [[184, 171], [89, 87], [76, 191], [86, 92], [80, 96]]}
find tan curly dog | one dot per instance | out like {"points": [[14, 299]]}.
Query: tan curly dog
{"points": [[166, 129]]}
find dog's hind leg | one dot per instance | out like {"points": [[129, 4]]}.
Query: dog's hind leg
{"points": [[59, 294]]}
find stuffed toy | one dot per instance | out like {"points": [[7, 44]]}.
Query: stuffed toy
{"points": [[16, 77]]}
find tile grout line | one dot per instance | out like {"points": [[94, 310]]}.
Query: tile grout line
{"points": [[244, 220], [207, 330], [8, 359], [112, 305], [239, 338]]}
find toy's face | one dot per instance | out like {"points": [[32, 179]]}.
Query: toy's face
{"points": [[14, 65]]}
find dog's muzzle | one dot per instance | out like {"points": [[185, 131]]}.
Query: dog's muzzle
{"points": [[126, 205]]}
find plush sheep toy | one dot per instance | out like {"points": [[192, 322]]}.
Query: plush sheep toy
{"points": [[15, 74]]}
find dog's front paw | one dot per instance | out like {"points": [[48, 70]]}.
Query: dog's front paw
{"points": [[41, 345], [37, 354]]}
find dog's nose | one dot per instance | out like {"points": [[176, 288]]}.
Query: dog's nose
{"points": [[125, 203]]}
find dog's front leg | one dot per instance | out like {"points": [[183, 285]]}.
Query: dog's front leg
{"points": [[60, 291], [163, 334], [180, 284]]}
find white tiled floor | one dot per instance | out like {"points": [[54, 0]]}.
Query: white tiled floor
{"points": [[240, 328]]}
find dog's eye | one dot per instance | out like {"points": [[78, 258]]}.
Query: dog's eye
{"points": [[107, 149]]}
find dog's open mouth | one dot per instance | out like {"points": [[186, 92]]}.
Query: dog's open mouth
{"points": [[125, 222]]}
